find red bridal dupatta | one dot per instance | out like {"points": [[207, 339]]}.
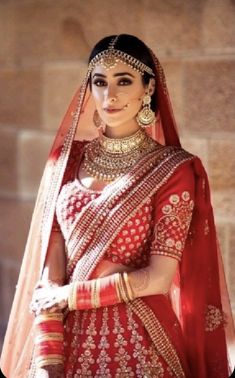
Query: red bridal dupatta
{"points": [[199, 295]]}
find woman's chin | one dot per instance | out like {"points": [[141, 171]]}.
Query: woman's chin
{"points": [[113, 123]]}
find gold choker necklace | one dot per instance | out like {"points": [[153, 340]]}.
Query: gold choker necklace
{"points": [[106, 159], [123, 145]]}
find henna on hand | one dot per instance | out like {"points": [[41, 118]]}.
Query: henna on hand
{"points": [[139, 280], [49, 298]]}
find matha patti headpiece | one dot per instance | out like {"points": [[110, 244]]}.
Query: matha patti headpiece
{"points": [[111, 56]]}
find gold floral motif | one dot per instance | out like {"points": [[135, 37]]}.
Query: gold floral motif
{"points": [[214, 318], [186, 196], [172, 227], [158, 335], [174, 199], [154, 367], [86, 358], [148, 364], [104, 359], [121, 356], [167, 209], [73, 356]]}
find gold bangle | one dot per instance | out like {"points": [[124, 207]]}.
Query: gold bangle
{"points": [[72, 296], [53, 359], [124, 288], [117, 286], [95, 291], [123, 293], [46, 317], [49, 336], [129, 290]]}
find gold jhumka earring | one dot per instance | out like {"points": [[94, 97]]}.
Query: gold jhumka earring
{"points": [[98, 121], [146, 117]]}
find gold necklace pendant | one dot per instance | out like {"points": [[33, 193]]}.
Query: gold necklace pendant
{"points": [[106, 159]]}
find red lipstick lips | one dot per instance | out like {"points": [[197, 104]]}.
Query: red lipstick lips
{"points": [[112, 110]]}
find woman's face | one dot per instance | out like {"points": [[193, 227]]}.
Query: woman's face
{"points": [[118, 93]]}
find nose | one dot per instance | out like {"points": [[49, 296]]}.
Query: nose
{"points": [[110, 94]]}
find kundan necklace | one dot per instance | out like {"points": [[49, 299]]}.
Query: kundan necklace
{"points": [[107, 159]]}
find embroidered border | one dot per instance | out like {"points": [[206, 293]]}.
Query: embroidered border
{"points": [[53, 183], [97, 240], [158, 336], [91, 217]]}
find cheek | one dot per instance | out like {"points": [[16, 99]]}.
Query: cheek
{"points": [[135, 104], [135, 96], [97, 95]]}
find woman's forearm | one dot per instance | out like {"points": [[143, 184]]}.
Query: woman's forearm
{"points": [[123, 287], [115, 288], [100, 292], [55, 265], [155, 278]]}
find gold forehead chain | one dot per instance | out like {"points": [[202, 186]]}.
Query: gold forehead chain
{"points": [[111, 56]]}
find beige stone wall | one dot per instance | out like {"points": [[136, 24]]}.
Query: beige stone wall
{"points": [[43, 49]]}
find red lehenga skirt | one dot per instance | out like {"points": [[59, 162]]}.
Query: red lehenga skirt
{"points": [[112, 342]]}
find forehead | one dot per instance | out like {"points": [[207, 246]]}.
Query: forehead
{"points": [[120, 67]]}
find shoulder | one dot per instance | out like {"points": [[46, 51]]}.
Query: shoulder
{"points": [[173, 151], [179, 168], [173, 158]]}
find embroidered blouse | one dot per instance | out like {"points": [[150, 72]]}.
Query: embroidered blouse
{"points": [[160, 227]]}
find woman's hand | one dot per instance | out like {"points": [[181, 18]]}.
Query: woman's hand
{"points": [[50, 371], [49, 298]]}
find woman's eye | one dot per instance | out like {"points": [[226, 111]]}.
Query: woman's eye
{"points": [[99, 83], [125, 82]]}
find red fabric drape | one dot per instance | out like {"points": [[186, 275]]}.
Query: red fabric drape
{"points": [[201, 282]]}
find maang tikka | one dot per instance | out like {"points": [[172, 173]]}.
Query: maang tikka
{"points": [[111, 56], [146, 116]]}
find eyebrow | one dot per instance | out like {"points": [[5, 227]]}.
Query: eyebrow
{"points": [[115, 75]]}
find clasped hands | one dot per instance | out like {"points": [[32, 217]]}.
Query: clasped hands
{"points": [[49, 298]]}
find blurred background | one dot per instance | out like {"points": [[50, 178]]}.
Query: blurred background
{"points": [[43, 53]]}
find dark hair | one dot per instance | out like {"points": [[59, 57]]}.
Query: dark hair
{"points": [[134, 47]]}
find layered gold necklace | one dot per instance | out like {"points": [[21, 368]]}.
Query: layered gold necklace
{"points": [[107, 159]]}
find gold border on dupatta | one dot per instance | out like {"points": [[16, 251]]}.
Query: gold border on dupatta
{"points": [[81, 269], [158, 336]]}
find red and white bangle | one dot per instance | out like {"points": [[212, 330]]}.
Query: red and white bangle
{"points": [[49, 339], [100, 292]]}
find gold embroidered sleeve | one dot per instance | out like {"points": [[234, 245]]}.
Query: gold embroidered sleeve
{"points": [[172, 218]]}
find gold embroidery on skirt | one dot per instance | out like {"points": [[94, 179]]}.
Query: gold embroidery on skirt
{"points": [[158, 336], [76, 331], [148, 361], [104, 359], [86, 358], [121, 356]]}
